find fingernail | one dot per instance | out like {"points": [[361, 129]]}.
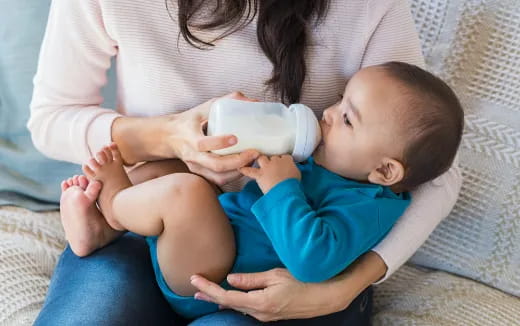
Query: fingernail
{"points": [[232, 141], [200, 296], [193, 277], [232, 278]]}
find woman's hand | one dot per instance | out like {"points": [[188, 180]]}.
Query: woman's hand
{"points": [[192, 146], [275, 294]]}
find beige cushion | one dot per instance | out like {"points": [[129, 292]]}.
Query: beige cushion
{"points": [[29, 246], [417, 296], [475, 46]]}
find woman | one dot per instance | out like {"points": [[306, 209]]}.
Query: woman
{"points": [[171, 56]]}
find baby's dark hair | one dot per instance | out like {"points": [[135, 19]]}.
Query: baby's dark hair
{"points": [[433, 125]]}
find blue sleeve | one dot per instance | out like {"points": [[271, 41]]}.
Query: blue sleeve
{"points": [[316, 245]]}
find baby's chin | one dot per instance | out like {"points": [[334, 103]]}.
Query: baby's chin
{"points": [[319, 159], [317, 155]]}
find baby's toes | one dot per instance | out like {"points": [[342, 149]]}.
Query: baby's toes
{"points": [[83, 182], [88, 172], [64, 185], [93, 165], [116, 154], [93, 189], [108, 153], [101, 157], [75, 180]]}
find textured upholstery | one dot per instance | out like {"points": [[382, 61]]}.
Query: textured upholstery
{"points": [[475, 46]]}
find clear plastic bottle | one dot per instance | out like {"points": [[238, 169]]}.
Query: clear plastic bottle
{"points": [[270, 128]]}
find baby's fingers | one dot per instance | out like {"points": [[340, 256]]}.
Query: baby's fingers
{"points": [[262, 160], [250, 172]]}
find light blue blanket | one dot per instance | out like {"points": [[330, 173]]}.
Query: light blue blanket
{"points": [[27, 178]]}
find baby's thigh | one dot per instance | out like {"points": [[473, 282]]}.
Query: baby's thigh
{"points": [[197, 236], [156, 169]]}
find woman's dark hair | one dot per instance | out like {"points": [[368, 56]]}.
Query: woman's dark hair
{"points": [[434, 121], [282, 31]]}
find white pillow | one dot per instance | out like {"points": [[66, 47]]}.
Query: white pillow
{"points": [[475, 47]]}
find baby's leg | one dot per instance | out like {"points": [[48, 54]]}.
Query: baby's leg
{"points": [[85, 227], [195, 236]]}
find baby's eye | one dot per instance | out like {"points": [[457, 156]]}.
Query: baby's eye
{"points": [[346, 120]]}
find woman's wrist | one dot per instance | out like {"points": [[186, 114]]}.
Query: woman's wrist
{"points": [[366, 270], [141, 139]]}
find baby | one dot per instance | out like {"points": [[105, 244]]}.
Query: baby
{"points": [[396, 127]]}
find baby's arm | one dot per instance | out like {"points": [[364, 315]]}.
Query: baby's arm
{"points": [[317, 244]]}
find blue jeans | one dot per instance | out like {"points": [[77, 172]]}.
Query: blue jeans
{"points": [[116, 286]]}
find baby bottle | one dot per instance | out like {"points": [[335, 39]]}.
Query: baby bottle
{"points": [[270, 128]]}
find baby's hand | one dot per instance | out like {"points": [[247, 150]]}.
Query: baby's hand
{"points": [[272, 170]]}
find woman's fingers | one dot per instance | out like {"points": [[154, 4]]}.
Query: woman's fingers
{"points": [[220, 169], [218, 178], [250, 281], [238, 96], [262, 160], [210, 143], [216, 294], [276, 295], [250, 172], [225, 163]]}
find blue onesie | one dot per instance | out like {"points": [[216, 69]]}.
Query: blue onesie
{"points": [[315, 228]]}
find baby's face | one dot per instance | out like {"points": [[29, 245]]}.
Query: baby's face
{"points": [[363, 128]]}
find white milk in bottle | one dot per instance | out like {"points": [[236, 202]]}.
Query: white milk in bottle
{"points": [[270, 128]]}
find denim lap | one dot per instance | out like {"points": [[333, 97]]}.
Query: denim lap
{"points": [[113, 286]]}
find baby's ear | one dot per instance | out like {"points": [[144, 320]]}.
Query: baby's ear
{"points": [[389, 172]]}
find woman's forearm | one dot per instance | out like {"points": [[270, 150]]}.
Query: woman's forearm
{"points": [[141, 139]]}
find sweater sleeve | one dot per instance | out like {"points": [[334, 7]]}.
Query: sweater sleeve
{"points": [[391, 34], [66, 120], [316, 244], [394, 38]]}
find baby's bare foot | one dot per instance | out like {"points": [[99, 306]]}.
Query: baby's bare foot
{"points": [[85, 228], [107, 167]]}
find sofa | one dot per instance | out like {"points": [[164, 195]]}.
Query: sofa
{"points": [[466, 273]]}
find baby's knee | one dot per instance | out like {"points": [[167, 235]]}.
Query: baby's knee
{"points": [[188, 185], [186, 200]]}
